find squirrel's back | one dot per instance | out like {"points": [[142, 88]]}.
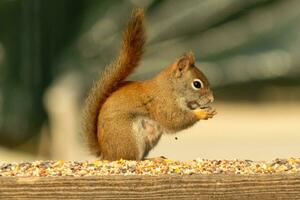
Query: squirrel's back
{"points": [[112, 76]]}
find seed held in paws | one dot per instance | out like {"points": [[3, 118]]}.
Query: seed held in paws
{"points": [[205, 112]]}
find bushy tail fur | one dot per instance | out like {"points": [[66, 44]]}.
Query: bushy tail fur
{"points": [[113, 74]]}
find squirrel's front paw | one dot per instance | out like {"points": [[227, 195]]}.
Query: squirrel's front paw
{"points": [[205, 113]]}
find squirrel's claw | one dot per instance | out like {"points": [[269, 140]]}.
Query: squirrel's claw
{"points": [[157, 159], [204, 114]]}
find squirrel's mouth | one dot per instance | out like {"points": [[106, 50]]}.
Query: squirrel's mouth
{"points": [[193, 105]]}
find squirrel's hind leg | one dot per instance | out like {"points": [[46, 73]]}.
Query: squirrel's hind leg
{"points": [[133, 137], [117, 140]]}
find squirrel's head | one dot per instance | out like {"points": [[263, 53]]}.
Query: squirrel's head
{"points": [[189, 83]]}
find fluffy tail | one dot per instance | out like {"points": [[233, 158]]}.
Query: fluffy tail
{"points": [[113, 74]]}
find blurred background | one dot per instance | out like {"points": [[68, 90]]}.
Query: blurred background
{"points": [[52, 50]]}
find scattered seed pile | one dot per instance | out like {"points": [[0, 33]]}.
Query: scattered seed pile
{"points": [[148, 167]]}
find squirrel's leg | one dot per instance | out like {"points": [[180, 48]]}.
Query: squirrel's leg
{"points": [[204, 114], [117, 140]]}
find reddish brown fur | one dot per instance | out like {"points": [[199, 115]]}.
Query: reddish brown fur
{"points": [[114, 74], [126, 119], [154, 99]]}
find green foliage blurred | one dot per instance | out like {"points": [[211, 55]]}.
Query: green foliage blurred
{"points": [[33, 34], [243, 46]]}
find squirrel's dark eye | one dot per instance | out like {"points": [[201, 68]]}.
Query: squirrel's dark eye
{"points": [[197, 84]]}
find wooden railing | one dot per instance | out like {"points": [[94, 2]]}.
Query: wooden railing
{"points": [[218, 186]]}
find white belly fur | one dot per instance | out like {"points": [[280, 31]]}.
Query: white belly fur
{"points": [[146, 131]]}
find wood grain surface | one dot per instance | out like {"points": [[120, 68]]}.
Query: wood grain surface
{"points": [[153, 187]]}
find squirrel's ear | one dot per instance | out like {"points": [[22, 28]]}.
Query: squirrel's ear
{"points": [[184, 63]]}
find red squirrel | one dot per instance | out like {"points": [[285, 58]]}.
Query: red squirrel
{"points": [[125, 119]]}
